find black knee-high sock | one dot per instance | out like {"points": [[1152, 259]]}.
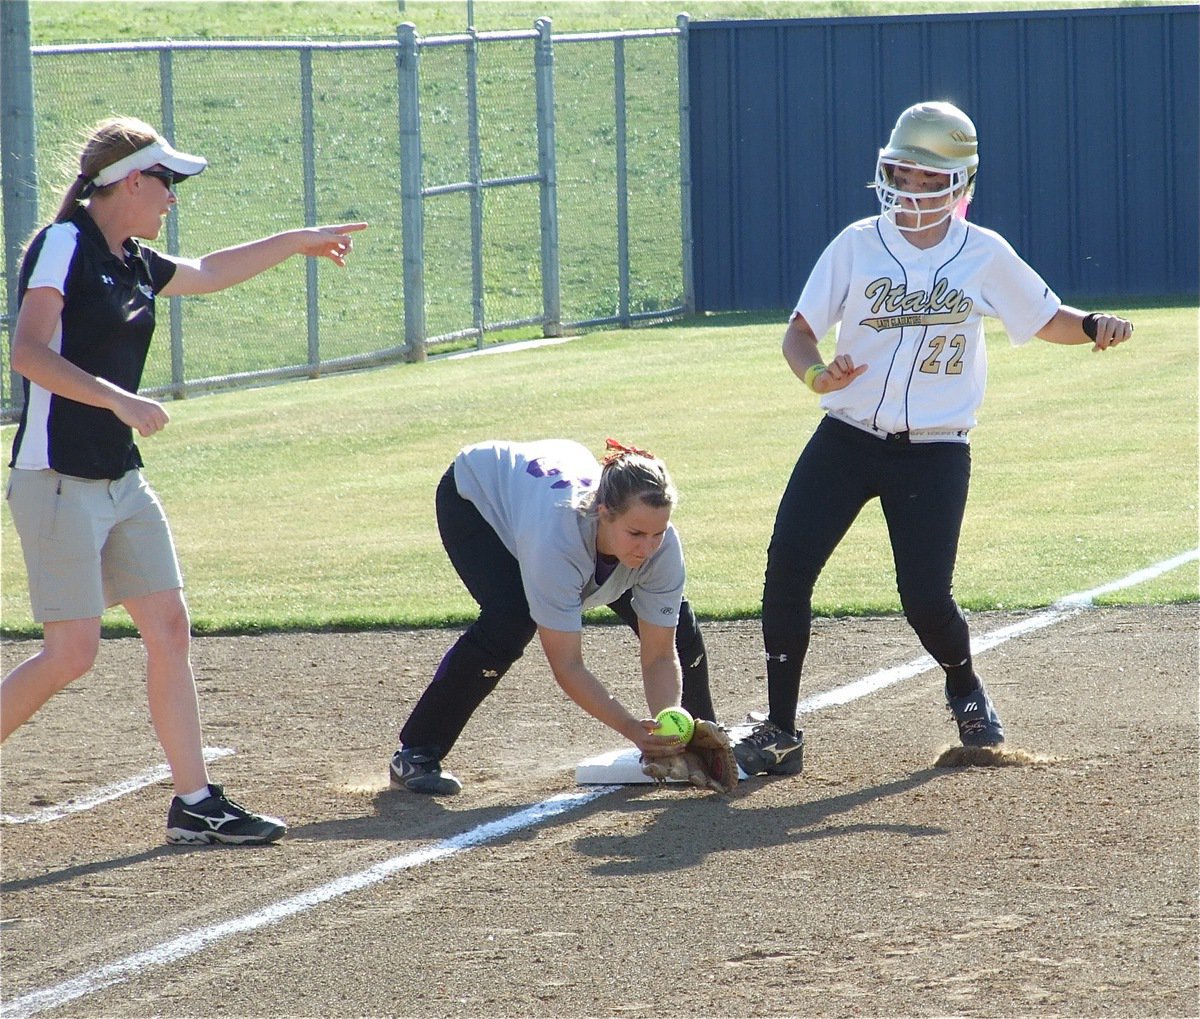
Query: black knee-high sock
{"points": [[697, 697], [943, 631], [960, 679], [786, 641]]}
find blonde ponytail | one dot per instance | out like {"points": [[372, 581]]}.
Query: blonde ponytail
{"points": [[108, 141]]}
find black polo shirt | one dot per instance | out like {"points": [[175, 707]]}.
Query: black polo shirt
{"points": [[107, 322]]}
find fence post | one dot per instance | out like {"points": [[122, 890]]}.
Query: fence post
{"points": [[166, 90], [547, 170], [412, 216], [18, 163], [622, 183], [476, 170], [685, 168], [312, 294]]}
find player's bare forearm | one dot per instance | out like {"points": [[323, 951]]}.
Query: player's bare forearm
{"points": [[589, 693], [662, 678], [663, 683], [1072, 327], [801, 352], [564, 653], [55, 374], [33, 357], [800, 346], [230, 266]]}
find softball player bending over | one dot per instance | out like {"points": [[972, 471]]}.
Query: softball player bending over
{"points": [[907, 290], [538, 532], [92, 530]]}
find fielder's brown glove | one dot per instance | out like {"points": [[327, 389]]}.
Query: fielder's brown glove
{"points": [[707, 763]]}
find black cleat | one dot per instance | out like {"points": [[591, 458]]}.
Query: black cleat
{"points": [[419, 771], [219, 819], [978, 723], [769, 749]]}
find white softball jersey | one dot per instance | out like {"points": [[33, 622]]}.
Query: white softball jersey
{"points": [[915, 318], [531, 493]]}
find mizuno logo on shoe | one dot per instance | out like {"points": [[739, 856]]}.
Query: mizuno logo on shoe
{"points": [[214, 823], [771, 749]]}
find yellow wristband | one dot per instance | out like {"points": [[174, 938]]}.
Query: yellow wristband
{"points": [[810, 376]]}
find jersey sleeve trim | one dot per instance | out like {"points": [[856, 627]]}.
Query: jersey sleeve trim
{"points": [[53, 261]]}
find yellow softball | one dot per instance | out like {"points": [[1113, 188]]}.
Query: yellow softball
{"points": [[675, 722]]}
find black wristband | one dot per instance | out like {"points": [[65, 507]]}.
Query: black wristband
{"points": [[1089, 325]]}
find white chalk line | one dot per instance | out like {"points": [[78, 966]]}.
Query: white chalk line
{"points": [[55, 811], [1139, 577], [192, 942], [1062, 609], [887, 677]]}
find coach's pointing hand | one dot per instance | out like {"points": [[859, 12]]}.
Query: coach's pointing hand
{"points": [[332, 242], [231, 266]]}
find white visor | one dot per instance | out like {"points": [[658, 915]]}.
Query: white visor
{"points": [[158, 153]]}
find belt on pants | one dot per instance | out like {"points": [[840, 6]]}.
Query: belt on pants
{"points": [[906, 437]]}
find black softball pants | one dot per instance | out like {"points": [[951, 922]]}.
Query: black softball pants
{"points": [[474, 665], [922, 489]]}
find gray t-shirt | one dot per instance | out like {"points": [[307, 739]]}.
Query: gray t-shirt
{"points": [[531, 494]]}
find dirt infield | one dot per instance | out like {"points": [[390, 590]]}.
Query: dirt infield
{"points": [[875, 884]]}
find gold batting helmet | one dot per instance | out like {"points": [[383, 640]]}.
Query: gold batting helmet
{"points": [[933, 136]]}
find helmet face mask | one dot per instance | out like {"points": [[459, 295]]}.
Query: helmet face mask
{"points": [[937, 138], [894, 199]]}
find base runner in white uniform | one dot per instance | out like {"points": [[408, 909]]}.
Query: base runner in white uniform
{"points": [[907, 291], [539, 532]]}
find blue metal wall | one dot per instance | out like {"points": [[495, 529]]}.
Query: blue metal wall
{"points": [[1087, 122]]}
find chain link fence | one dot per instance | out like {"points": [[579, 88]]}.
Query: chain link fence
{"points": [[515, 183]]}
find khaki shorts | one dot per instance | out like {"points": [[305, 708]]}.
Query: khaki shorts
{"points": [[90, 544]]}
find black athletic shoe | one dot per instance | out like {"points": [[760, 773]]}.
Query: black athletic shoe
{"points": [[769, 749], [219, 819], [978, 723], [419, 771]]}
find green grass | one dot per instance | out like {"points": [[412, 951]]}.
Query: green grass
{"points": [[253, 184], [310, 505], [55, 21]]}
